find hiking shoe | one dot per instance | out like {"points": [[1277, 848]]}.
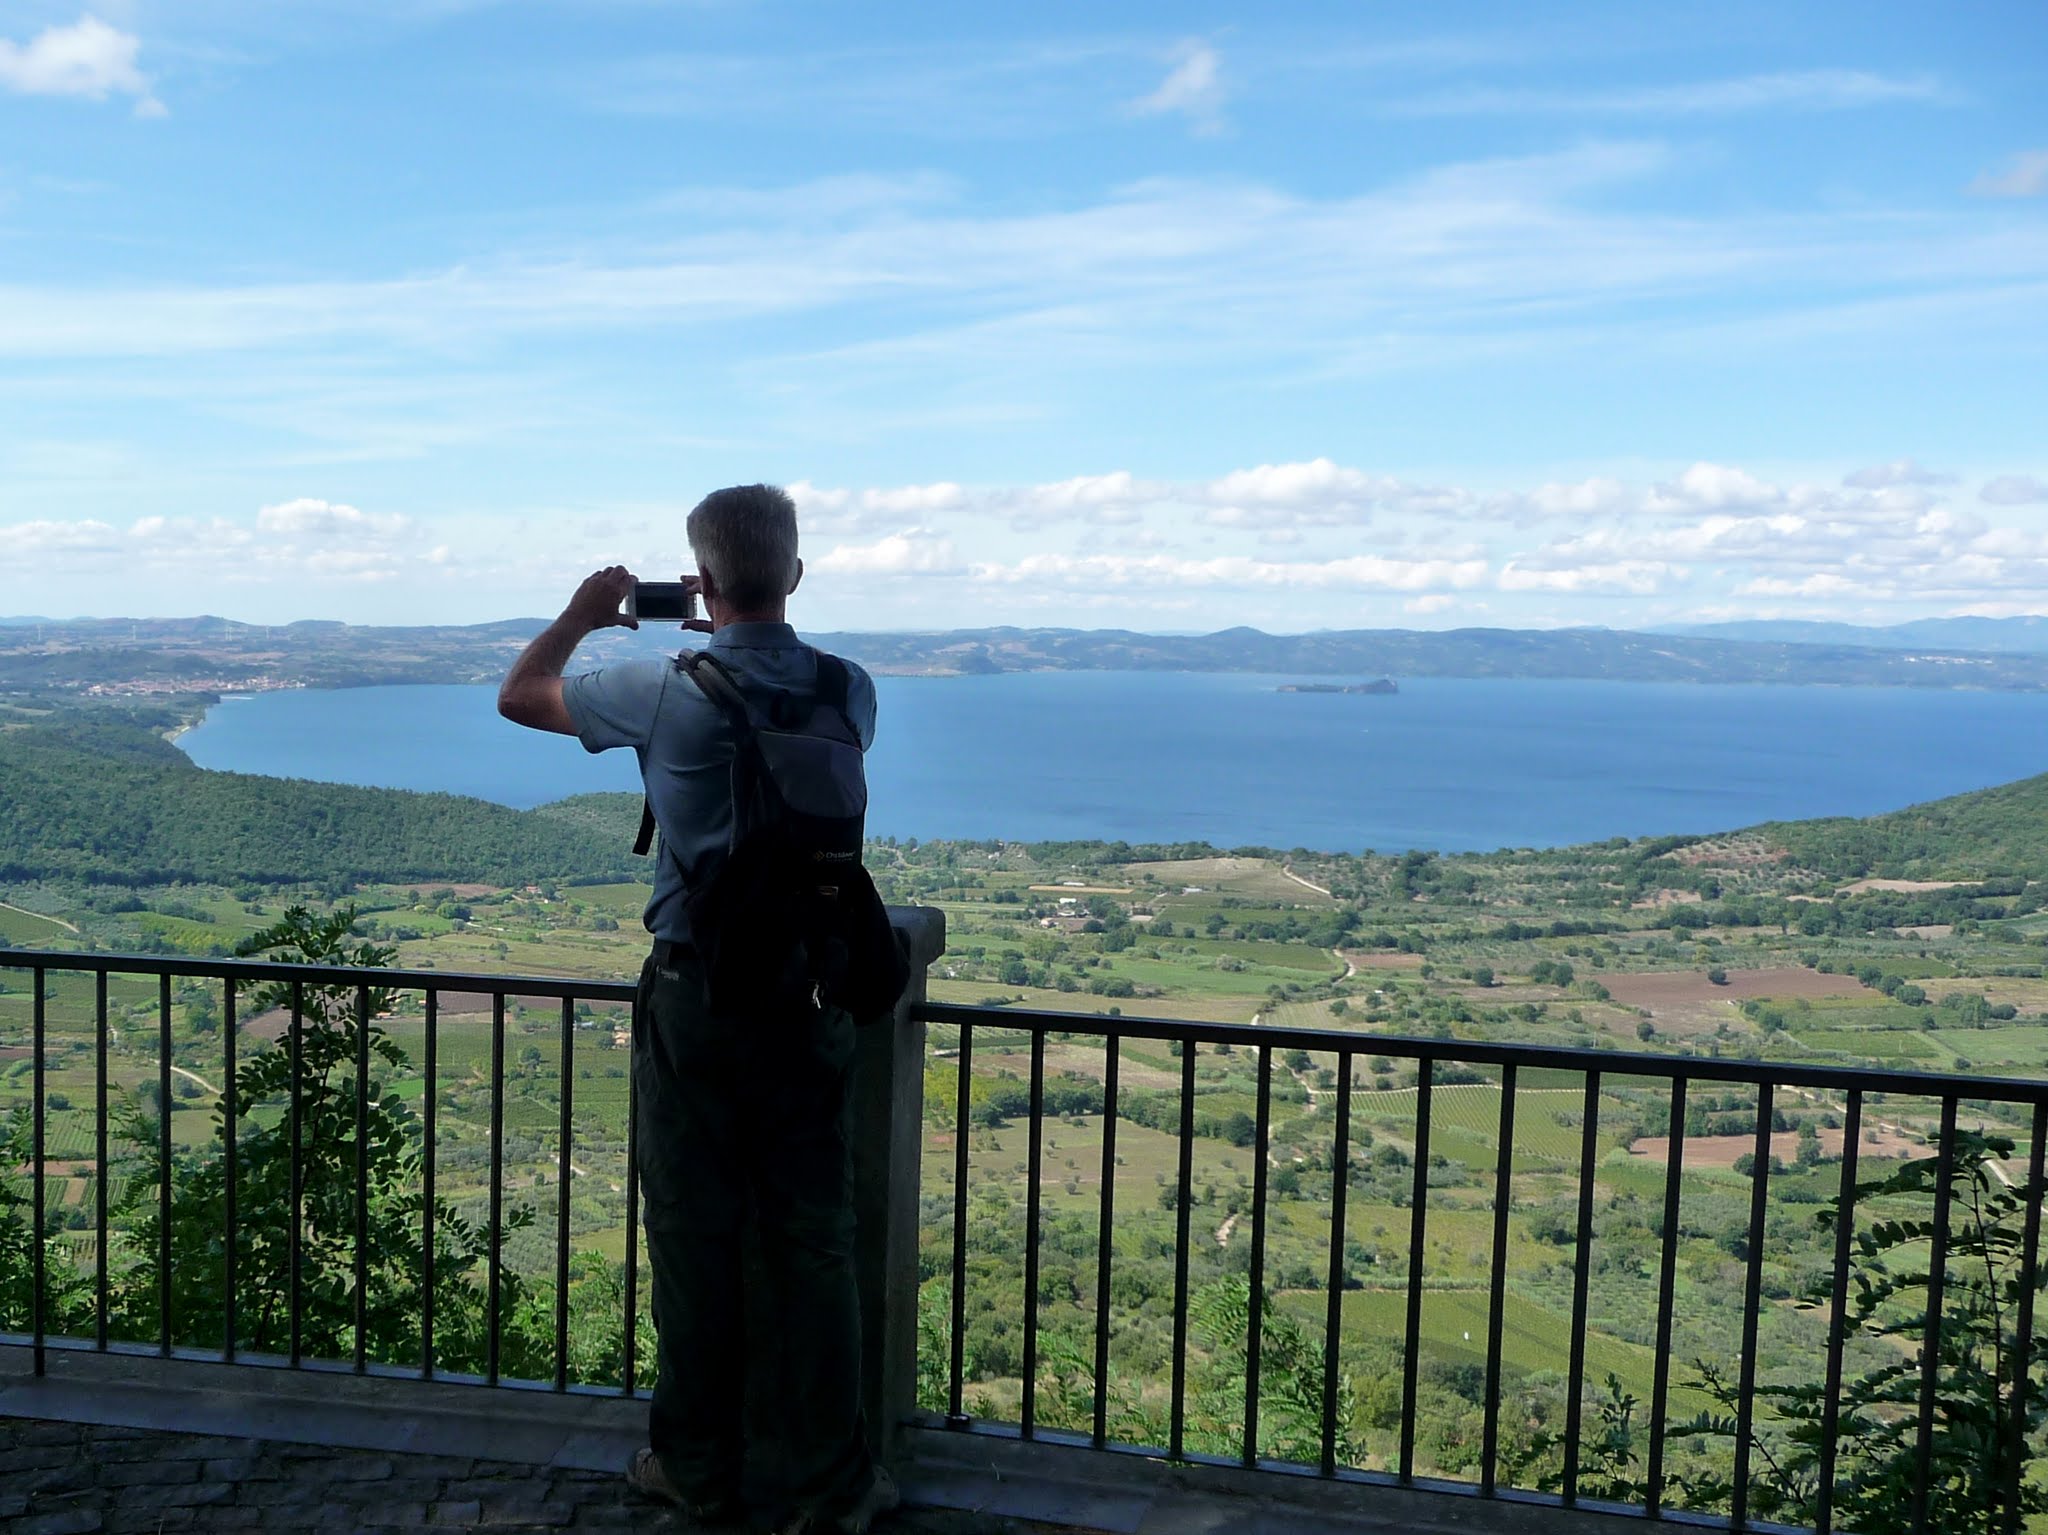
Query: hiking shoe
{"points": [[882, 1496], [646, 1475]]}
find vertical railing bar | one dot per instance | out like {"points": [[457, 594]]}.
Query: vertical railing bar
{"points": [[1255, 1323], [2023, 1324], [1752, 1301], [1034, 1163], [1496, 1306], [163, 1208], [39, 1282], [100, 1296], [1418, 1217], [362, 1253], [1930, 1338], [1103, 1245], [231, 1236], [295, 1245], [1575, 1401], [956, 1370], [1333, 1319], [491, 1322], [1667, 1274], [564, 1171], [1838, 1307], [431, 1044], [630, 1364], [1177, 1432]]}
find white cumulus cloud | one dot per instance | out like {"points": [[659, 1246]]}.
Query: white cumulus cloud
{"points": [[308, 515], [838, 510], [1900, 471], [2014, 490], [900, 554], [1359, 572], [1435, 602], [87, 58], [1820, 584], [1637, 578]]}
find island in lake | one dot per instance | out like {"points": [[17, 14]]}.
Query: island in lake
{"points": [[1381, 685]]}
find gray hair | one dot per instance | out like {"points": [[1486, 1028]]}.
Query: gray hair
{"points": [[745, 538]]}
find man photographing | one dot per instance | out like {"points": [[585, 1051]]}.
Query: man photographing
{"points": [[740, 1089]]}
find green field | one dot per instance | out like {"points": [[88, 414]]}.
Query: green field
{"points": [[1417, 939]]}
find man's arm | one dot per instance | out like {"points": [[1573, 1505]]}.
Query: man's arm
{"points": [[531, 693]]}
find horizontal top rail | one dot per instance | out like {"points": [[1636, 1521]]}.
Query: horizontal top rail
{"points": [[1621, 1063], [260, 970], [1031, 1020]]}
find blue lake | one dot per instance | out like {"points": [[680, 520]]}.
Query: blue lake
{"points": [[1457, 765]]}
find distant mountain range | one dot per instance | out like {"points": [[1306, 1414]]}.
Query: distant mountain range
{"points": [[1995, 636], [213, 655]]}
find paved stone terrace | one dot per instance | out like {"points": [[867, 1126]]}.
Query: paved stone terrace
{"points": [[75, 1479]]}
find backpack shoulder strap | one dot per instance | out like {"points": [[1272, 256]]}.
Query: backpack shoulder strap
{"points": [[716, 683], [832, 682]]}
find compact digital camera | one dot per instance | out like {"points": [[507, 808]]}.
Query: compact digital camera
{"points": [[661, 602]]}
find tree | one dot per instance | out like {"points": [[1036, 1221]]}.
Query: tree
{"points": [[1877, 1415], [1482, 975], [1807, 1153], [333, 1037], [68, 1297]]}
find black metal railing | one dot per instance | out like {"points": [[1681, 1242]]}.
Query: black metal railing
{"points": [[2024, 1103], [1849, 1089], [236, 980]]}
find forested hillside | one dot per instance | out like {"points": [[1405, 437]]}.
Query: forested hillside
{"points": [[2003, 830], [117, 804]]}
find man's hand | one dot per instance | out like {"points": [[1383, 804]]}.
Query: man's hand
{"points": [[532, 691], [600, 598], [694, 584]]}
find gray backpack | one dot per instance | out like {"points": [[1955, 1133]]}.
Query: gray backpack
{"points": [[790, 922]]}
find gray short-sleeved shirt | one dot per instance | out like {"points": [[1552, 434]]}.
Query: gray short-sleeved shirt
{"points": [[685, 745]]}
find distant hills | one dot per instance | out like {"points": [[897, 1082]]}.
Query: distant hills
{"points": [[1609, 654], [214, 655], [1995, 636]]}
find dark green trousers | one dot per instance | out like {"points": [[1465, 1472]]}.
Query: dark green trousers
{"points": [[744, 1120]]}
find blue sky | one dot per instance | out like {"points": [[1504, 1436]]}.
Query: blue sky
{"points": [[1148, 316]]}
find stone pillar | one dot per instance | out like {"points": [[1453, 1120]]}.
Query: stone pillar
{"points": [[888, 1111]]}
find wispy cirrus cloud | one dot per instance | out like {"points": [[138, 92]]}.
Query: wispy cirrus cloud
{"points": [[1193, 89], [2024, 175], [1482, 254], [1812, 90]]}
